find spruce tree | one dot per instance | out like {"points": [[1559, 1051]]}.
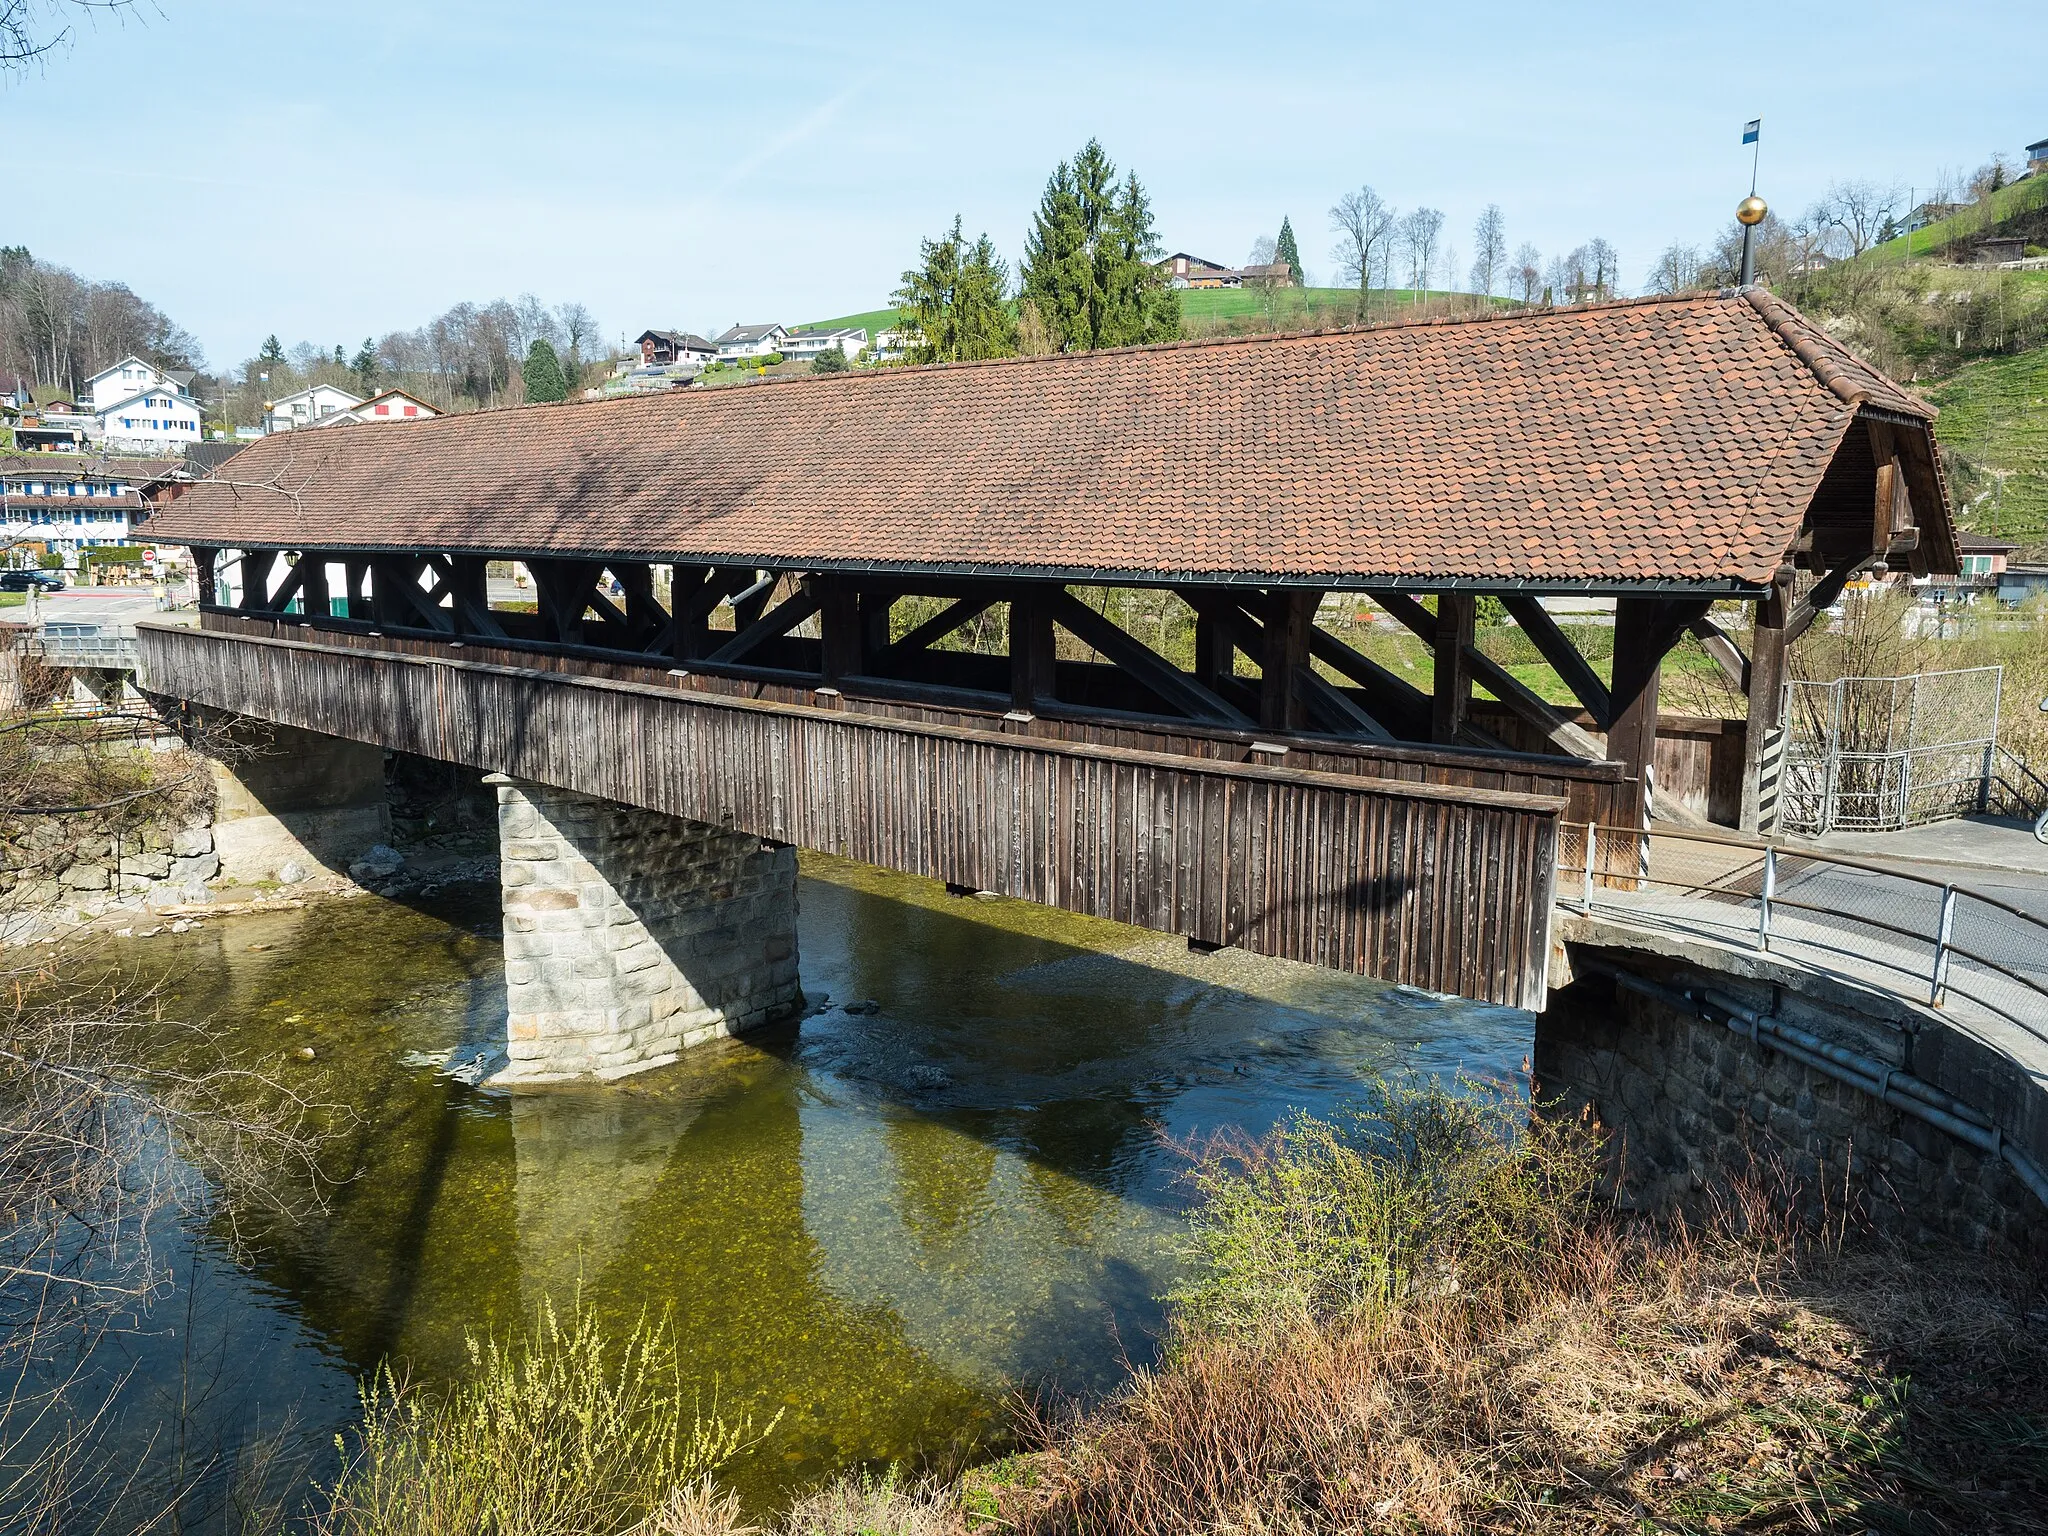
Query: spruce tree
{"points": [[543, 372], [1090, 268], [365, 364], [955, 300], [1284, 249], [273, 350]]}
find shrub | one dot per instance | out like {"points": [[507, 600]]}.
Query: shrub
{"points": [[1419, 1189], [560, 1431]]}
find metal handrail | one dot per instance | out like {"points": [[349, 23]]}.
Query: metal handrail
{"points": [[1933, 981]]}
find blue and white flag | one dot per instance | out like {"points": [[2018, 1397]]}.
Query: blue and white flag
{"points": [[1752, 130]]}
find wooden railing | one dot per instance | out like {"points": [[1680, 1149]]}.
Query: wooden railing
{"points": [[1445, 887]]}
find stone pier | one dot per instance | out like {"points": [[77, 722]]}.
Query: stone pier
{"points": [[631, 936]]}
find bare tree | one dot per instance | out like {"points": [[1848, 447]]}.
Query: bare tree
{"points": [[1419, 233], [1677, 270], [1490, 250], [1857, 210], [1527, 273], [33, 29], [1364, 224], [1604, 263], [1264, 250]]}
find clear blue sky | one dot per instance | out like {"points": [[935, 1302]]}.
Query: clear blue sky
{"points": [[331, 171]]}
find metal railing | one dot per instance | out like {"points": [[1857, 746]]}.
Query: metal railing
{"points": [[1928, 940], [64, 643]]}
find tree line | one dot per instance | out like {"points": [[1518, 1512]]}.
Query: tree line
{"points": [[469, 357], [1089, 278], [58, 329]]}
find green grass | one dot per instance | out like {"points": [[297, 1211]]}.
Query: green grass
{"points": [[1995, 413], [1202, 308], [873, 321], [2007, 203], [13, 599]]}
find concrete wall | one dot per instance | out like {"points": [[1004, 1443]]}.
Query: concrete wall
{"points": [[1693, 1103], [285, 796], [631, 936]]}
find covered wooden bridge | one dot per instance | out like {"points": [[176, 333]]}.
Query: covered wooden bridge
{"points": [[742, 600]]}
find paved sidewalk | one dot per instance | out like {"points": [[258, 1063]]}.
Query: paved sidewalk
{"points": [[1972, 842]]}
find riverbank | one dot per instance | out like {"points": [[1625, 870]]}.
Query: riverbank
{"points": [[1418, 1317]]}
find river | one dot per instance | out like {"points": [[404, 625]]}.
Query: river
{"points": [[954, 1179]]}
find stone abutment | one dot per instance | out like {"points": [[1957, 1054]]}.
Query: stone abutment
{"points": [[1706, 1064], [631, 936]]}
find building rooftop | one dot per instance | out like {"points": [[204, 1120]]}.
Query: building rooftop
{"points": [[1675, 440]]}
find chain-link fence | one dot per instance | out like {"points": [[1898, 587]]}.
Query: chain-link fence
{"points": [[1928, 940], [1877, 754]]}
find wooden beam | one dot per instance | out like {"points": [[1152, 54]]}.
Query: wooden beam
{"points": [[1289, 614], [1766, 687], [1632, 737], [1720, 645], [1389, 696], [204, 560], [1822, 597], [1450, 703], [779, 620], [1327, 707], [1572, 669], [313, 583], [843, 640], [1034, 669], [257, 565], [1172, 686], [936, 628]]}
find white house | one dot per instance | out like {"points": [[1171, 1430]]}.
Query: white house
{"points": [[70, 501], [749, 341], [805, 344], [158, 420], [893, 345], [131, 377], [390, 405], [308, 408]]}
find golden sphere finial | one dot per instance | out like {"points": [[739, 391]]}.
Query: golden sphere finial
{"points": [[1751, 210]]}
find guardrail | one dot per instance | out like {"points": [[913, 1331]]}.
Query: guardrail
{"points": [[1929, 940], [64, 643]]}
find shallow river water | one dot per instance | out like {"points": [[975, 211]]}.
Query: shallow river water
{"points": [[952, 1179]]}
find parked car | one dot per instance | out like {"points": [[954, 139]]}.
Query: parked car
{"points": [[22, 581]]}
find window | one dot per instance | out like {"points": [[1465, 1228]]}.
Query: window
{"points": [[1976, 565], [412, 410], [383, 410]]}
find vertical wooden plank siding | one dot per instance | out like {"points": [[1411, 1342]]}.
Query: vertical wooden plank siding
{"points": [[1443, 888]]}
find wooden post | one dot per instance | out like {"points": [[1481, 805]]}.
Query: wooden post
{"points": [[472, 588], [357, 574], [1031, 653], [839, 624], [257, 567], [1451, 704], [1215, 654], [313, 587], [1760, 757], [874, 624], [202, 568], [1638, 652], [1290, 611]]}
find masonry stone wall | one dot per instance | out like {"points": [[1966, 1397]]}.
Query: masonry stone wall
{"points": [[632, 936], [1692, 1104]]}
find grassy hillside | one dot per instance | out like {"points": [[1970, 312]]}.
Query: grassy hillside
{"points": [[1207, 309], [1994, 412], [2008, 204], [869, 320]]}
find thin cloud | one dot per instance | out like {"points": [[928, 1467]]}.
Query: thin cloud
{"points": [[803, 128]]}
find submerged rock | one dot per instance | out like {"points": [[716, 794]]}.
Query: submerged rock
{"points": [[380, 863]]}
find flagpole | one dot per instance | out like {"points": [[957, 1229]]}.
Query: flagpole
{"points": [[1751, 211]]}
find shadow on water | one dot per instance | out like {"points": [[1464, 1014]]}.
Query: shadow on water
{"points": [[948, 1181]]}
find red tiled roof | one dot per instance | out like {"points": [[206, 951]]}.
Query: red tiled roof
{"points": [[1672, 439]]}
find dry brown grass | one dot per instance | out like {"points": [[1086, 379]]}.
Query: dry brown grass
{"points": [[1740, 1375]]}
